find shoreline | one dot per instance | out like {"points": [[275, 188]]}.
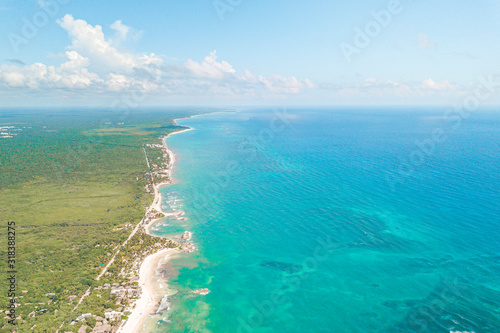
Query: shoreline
{"points": [[149, 300], [147, 303], [170, 167], [171, 160], [158, 198]]}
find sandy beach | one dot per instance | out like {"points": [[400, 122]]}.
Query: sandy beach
{"points": [[156, 205], [150, 297], [148, 302]]}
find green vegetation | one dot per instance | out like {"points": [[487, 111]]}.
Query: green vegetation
{"points": [[74, 183]]}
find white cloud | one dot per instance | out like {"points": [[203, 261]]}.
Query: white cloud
{"points": [[76, 61], [96, 64], [90, 42], [121, 29], [285, 85], [423, 42], [223, 74], [13, 78], [433, 85], [70, 75], [209, 67]]}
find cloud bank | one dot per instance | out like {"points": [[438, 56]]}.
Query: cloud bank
{"points": [[94, 63]]}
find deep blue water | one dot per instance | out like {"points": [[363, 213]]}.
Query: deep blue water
{"points": [[344, 220]]}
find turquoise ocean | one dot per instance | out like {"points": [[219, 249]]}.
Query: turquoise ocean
{"points": [[336, 220]]}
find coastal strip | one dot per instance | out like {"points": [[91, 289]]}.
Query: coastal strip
{"points": [[149, 300]]}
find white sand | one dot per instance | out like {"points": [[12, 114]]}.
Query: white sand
{"points": [[149, 298], [148, 301]]}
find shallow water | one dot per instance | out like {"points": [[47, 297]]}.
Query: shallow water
{"points": [[345, 220]]}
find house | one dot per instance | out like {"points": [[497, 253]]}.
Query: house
{"points": [[112, 315]]}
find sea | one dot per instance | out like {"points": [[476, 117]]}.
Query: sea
{"points": [[347, 219]]}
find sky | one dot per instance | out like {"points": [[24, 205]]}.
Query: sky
{"points": [[242, 52]]}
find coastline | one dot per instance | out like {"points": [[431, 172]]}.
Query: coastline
{"points": [[158, 198], [148, 301]]}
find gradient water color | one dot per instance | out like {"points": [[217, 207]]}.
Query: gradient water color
{"points": [[317, 220]]}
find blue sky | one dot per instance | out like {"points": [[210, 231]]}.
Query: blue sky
{"points": [[242, 52]]}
